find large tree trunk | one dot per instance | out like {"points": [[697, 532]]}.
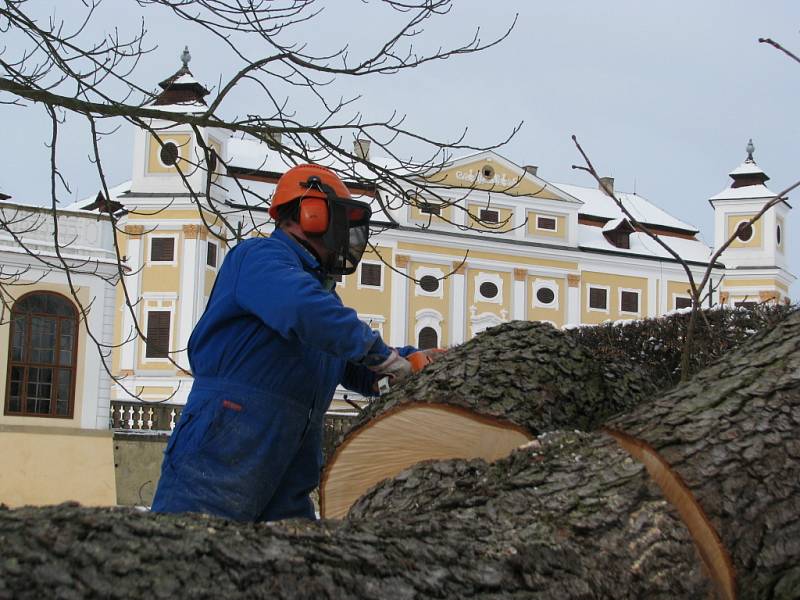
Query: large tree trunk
{"points": [[711, 470], [481, 400]]}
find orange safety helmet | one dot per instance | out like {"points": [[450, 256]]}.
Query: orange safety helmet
{"points": [[327, 210], [303, 183]]}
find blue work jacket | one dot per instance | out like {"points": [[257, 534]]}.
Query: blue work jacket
{"points": [[272, 324]]}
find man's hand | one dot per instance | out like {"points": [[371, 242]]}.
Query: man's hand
{"points": [[395, 367]]}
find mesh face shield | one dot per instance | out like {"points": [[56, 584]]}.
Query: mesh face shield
{"points": [[347, 234]]}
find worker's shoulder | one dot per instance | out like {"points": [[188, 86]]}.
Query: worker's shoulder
{"points": [[265, 248]]}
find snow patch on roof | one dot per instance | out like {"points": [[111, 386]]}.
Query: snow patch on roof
{"points": [[745, 193], [748, 167], [640, 243], [597, 203]]}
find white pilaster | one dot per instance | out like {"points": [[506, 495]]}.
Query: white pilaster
{"points": [[652, 299], [458, 305], [132, 283], [187, 296], [519, 305], [573, 300], [398, 327]]}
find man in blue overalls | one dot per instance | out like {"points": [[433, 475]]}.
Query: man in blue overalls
{"points": [[267, 355]]}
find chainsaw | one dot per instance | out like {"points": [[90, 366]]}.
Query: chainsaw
{"points": [[419, 360]]}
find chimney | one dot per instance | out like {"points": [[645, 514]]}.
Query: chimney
{"points": [[361, 148], [607, 183], [532, 169]]}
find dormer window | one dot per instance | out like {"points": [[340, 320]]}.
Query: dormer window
{"points": [[618, 233]]}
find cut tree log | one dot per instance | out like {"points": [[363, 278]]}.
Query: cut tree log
{"points": [[573, 515], [481, 400]]}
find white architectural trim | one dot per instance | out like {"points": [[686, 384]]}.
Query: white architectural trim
{"points": [[481, 278], [399, 307], [374, 321], [551, 285], [362, 286], [458, 306], [480, 322], [428, 317], [638, 301], [156, 234], [589, 287], [421, 272], [129, 349]]}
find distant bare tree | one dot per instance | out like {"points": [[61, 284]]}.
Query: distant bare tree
{"points": [[64, 65]]}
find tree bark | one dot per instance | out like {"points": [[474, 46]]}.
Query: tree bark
{"points": [[574, 515], [528, 374]]}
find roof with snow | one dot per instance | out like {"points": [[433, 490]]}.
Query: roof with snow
{"points": [[597, 203]]}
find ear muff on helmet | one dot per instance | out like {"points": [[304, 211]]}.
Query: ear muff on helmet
{"points": [[313, 216]]}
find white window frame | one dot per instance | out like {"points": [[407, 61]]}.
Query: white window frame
{"points": [[421, 272], [589, 307], [376, 320], [638, 301], [428, 317], [548, 284], [162, 263], [554, 217], [495, 278], [160, 304], [481, 322], [383, 275], [218, 255]]}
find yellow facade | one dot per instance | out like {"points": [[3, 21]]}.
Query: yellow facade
{"points": [[755, 241], [614, 284], [680, 289], [181, 140], [368, 300], [49, 465], [505, 217], [560, 231], [489, 175]]}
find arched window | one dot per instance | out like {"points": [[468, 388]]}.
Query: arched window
{"points": [[42, 356], [428, 338]]}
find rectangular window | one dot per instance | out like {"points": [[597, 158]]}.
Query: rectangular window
{"points": [[211, 255], [371, 274], [429, 208], [489, 216], [629, 302], [682, 302], [598, 298], [162, 249], [546, 223], [157, 334]]}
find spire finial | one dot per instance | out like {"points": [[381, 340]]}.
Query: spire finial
{"points": [[750, 149], [185, 57]]}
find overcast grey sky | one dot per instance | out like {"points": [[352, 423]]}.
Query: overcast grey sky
{"points": [[663, 95]]}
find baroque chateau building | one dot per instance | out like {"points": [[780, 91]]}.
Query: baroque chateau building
{"points": [[496, 242]]}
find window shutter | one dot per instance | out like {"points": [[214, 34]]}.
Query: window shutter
{"points": [[211, 255], [157, 334], [547, 223], [428, 208], [162, 249], [683, 302], [489, 216], [598, 298], [370, 274], [629, 302]]}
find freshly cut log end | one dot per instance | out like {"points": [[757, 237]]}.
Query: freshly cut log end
{"points": [[404, 437]]}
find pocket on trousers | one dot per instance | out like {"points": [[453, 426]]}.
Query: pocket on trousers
{"points": [[226, 426]]}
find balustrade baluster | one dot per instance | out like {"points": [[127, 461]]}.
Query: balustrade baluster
{"points": [[150, 418], [130, 417]]}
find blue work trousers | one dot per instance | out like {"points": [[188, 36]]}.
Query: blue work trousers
{"points": [[242, 454]]}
